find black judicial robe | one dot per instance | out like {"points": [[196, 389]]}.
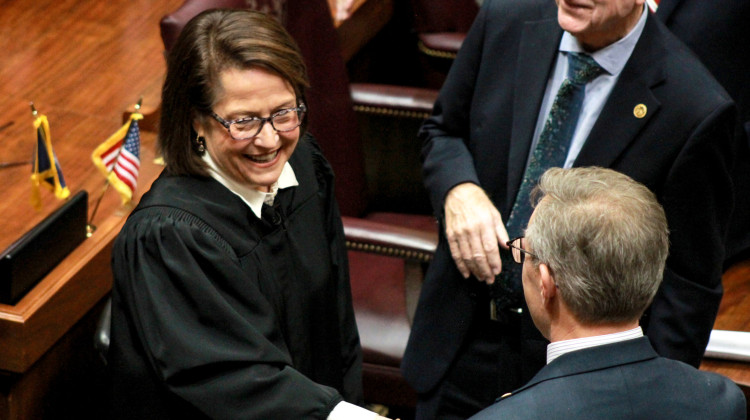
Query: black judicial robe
{"points": [[219, 314]]}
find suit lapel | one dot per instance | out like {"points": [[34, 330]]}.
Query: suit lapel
{"points": [[666, 7], [630, 105], [538, 46]]}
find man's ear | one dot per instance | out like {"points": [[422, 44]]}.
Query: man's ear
{"points": [[547, 284]]}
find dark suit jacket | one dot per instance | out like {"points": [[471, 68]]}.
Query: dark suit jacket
{"points": [[625, 380], [481, 131], [717, 31]]}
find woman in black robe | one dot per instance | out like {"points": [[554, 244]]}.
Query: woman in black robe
{"points": [[231, 296]]}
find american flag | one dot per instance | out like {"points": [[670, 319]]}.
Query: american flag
{"points": [[126, 160], [118, 158]]}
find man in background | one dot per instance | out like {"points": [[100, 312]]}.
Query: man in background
{"points": [[593, 257], [586, 83]]}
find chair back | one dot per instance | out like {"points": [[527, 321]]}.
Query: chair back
{"points": [[332, 119], [432, 16]]}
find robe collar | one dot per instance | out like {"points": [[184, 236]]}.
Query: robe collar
{"points": [[252, 197]]}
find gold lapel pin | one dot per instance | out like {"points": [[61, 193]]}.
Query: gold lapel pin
{"points": [[640, 111]]}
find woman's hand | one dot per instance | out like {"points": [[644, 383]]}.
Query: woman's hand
{"points": [[474, 228]]}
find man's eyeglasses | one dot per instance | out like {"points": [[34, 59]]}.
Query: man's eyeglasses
{"points": [[517, 251], [282, 121]]}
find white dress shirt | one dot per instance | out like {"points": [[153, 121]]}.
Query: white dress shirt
{"points": [[558, 348], [252, 197]]}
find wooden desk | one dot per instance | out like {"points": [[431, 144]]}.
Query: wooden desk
{"points": [[29, 328], [82, 64]]}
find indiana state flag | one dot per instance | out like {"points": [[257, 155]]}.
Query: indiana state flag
{"points": [[118, 158], [46, 169]]}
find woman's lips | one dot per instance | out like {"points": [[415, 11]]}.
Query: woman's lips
{"points": [[265, 158]]}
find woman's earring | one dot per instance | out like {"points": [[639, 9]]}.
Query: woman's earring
{"points": [[200, 144]]}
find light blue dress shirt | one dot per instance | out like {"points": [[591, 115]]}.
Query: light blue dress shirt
{"points": [[612, 59]]}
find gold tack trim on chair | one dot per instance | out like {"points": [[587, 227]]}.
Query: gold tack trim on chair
{"points": [[390, 112], [435, 53], [390, 251]]}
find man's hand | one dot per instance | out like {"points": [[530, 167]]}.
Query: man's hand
{"points": [[474, 228]]}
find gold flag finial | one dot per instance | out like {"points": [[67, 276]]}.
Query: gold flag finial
{"points": [[33, 109], [138, 105]]}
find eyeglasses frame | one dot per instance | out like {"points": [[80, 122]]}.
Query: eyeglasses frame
{"points": [[301, 108], [510, 245]]}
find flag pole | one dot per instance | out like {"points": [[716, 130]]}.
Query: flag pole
{"points": [[34, 113], [4, 165], [90, 227]]}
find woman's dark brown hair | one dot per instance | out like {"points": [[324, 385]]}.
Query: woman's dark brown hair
{"points": [[210, 43]]}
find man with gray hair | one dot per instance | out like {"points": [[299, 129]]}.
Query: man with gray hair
{"points": [[565, 83], [593, 256]]}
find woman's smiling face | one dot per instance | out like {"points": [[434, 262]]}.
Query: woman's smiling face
{"points": [[254, 92]]}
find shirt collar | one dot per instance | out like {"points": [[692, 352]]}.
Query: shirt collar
{"points": [[558, 348], [613, 57], [252, 197]]}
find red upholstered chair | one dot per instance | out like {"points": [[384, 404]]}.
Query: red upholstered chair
{"points": [[389, 231], [441, 27]]}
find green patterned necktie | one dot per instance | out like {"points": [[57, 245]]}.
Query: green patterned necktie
{"points": [[551, 151]]}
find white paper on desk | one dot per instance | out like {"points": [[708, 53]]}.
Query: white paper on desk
{"points": [[729, 345]]}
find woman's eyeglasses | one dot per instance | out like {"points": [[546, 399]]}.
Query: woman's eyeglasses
{"points": [[246, 128]]}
